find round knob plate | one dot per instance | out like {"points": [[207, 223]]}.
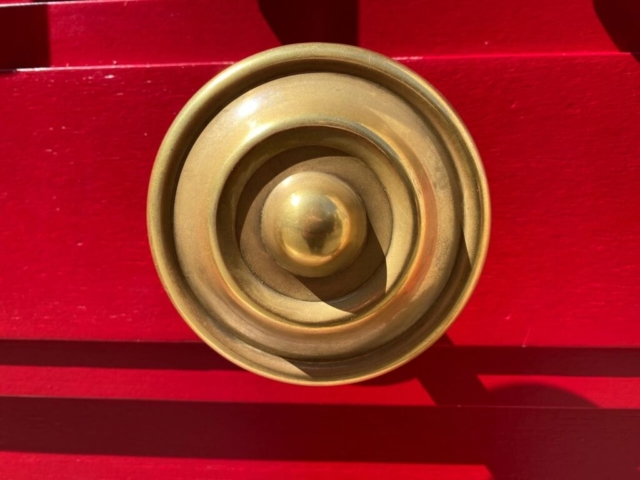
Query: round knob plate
{"points": [[318, 214]]}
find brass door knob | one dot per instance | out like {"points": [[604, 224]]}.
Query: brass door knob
{"points": [[318, 214], [313, 224]]}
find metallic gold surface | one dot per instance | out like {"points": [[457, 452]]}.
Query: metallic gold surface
{"points": [[313, 224], [318, 214]]}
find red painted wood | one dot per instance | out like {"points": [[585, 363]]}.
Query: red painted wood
{"points": [[466, 27], [556, 134], [585, 378], [166, 31], [601, 392], [99, 467], [510, 442], [209, 386], [554, 112]]}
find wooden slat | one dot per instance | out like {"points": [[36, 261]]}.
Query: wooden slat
{"points": [[165, 31], [465, 27], [38, 466], [444, 375], [201, 386], [538, 390], [510, 443], [557, 134]]}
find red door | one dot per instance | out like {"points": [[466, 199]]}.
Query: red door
{"points": [[539, 377]]}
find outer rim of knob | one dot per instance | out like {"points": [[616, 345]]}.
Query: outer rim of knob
{"points": [[242, 77]]}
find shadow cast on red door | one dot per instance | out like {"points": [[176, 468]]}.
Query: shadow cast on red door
{"points": [[621, 19], [334, 21], [504, 429]]}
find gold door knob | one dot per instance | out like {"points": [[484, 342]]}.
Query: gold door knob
{"points": [[318, 214]]}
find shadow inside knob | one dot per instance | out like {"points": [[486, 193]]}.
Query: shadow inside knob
{"points": [[364, 263]]}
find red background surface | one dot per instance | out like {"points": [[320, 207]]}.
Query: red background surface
{"points": [[539, 377]]}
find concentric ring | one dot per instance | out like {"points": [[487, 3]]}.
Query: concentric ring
{"points": [[356, 102]]}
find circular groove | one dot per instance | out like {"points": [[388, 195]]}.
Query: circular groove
{"points": [[209, 281]]}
